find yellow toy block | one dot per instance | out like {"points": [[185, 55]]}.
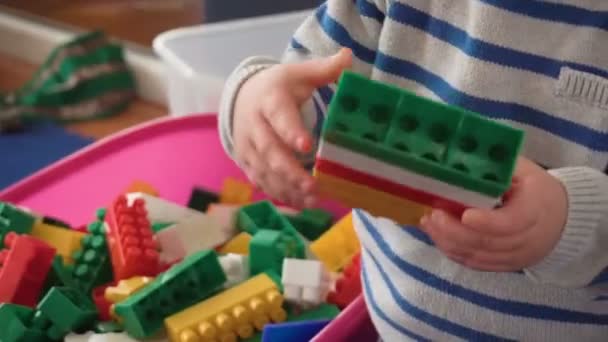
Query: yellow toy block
{"points": [[122, 291], [65, 241], [143, 187], [236, 192], [376, 202], [238, 245], [230, 315], [338, 245], [125, 288]]}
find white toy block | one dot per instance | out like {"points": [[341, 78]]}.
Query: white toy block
{"points": [[110, 337], [192, 231], [236, 268], [305, 282], [225, 216]]}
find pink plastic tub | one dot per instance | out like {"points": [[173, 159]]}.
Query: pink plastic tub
{"points": [[173, 154]]}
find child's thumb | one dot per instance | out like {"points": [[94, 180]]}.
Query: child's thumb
{"points": [[320, 72]]}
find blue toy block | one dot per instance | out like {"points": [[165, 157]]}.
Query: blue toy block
{"points": [[302, 331]]}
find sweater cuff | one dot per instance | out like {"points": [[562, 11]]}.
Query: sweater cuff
{"points": [[242, 73], [587, 204]]}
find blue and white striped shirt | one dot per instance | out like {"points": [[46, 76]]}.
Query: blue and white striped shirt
{"points": [[541, 66]]}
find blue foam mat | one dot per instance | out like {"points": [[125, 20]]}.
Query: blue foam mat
{"points": [[35, 147]]}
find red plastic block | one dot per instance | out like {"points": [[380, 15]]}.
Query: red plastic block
{"points": [[102, 304], [133, 250], [24, 264], [348, 287]]}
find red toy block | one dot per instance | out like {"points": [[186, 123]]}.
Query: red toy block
{"points": [[348, 287], [133, 250], [24, 264], [102, 304]]}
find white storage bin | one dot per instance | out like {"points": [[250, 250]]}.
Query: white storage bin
{"points": [[198, 59]]}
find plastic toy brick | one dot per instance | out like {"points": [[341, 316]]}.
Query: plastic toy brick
{"points": [[125, 288], [24, 265], [336, 247], [302, 331], [15, 325], [15, 219], [122, 291], [172, 248], [238, 245], [429, 138], [159, 226], [194, 279], [133, 250], [53, 221], [107, 327], [68, 310], [348, 286], [305, 282], [92, 265], [200, 199], [234, 313], [143, 187], [236, 192], [195, 230], [107, 337], [268, 248], [376, 202], [224, 215], [65, 241], [311, 223], [236, 268], [321, 312], [102, 304]]}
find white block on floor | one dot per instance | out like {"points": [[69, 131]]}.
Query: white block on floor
{"points": [[236, 268], [305, 282]]}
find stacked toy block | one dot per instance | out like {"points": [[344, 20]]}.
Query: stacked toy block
{"points": [[395, 154]]}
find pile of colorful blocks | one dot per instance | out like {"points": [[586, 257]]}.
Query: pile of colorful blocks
{"points": [[221, 268]]}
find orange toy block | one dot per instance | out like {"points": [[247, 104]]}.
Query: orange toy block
{"points": [[377, 203], [143, 187], [133, 250], [236, 192]]}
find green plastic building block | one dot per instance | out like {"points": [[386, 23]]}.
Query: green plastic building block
{"points": [[68, 310], [196, 278], [200, 199], [268, 248], [13, 219], [158, 226], [16, 325], [101, 214], [323, 311], [92, 265], [433, 139], [59, 275], [311, 223]]}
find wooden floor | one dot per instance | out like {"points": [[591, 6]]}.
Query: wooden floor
{"points": [[138, 21], [15, 72]]}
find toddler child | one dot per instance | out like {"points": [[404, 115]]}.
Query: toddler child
{"points": [[534, 269]]}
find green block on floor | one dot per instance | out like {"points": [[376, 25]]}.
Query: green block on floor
{"points": [[312, 223], [13, 219], [268, 248], [15, 325], [433, 139], [68, 310]]}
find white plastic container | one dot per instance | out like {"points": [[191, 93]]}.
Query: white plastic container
{"points": [[200, 58]]}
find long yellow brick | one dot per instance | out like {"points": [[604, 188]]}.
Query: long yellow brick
{"points": [[338, 245], [376, 202], [232, 314], [64, 240]]}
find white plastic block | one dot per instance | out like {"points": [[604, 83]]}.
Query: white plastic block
{"points": [[109, 337], [172, 248], [236, 268], [224, 216], [305, 282], [161, 210]]}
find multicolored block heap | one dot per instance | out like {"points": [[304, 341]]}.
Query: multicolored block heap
{"points": [[393, 153], [223, 268]]}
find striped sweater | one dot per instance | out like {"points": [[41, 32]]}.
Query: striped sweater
{"points": [[541, 66]]}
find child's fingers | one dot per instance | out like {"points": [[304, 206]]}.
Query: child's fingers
{"points": [[285, 119], [320, 71], [449, 231]]}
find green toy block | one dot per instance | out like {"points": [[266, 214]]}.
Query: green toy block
{"points": [[323, 311], [59, 275], [158, 226], [311, 223], [200, 199], [92, 265], [15, 325], [68, 310], [196, 278], [101, 214], [436, 140], [13, 219], [268, 248]]}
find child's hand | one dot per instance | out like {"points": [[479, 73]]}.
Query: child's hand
{"points": [[518, 235], [268, 129]]}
